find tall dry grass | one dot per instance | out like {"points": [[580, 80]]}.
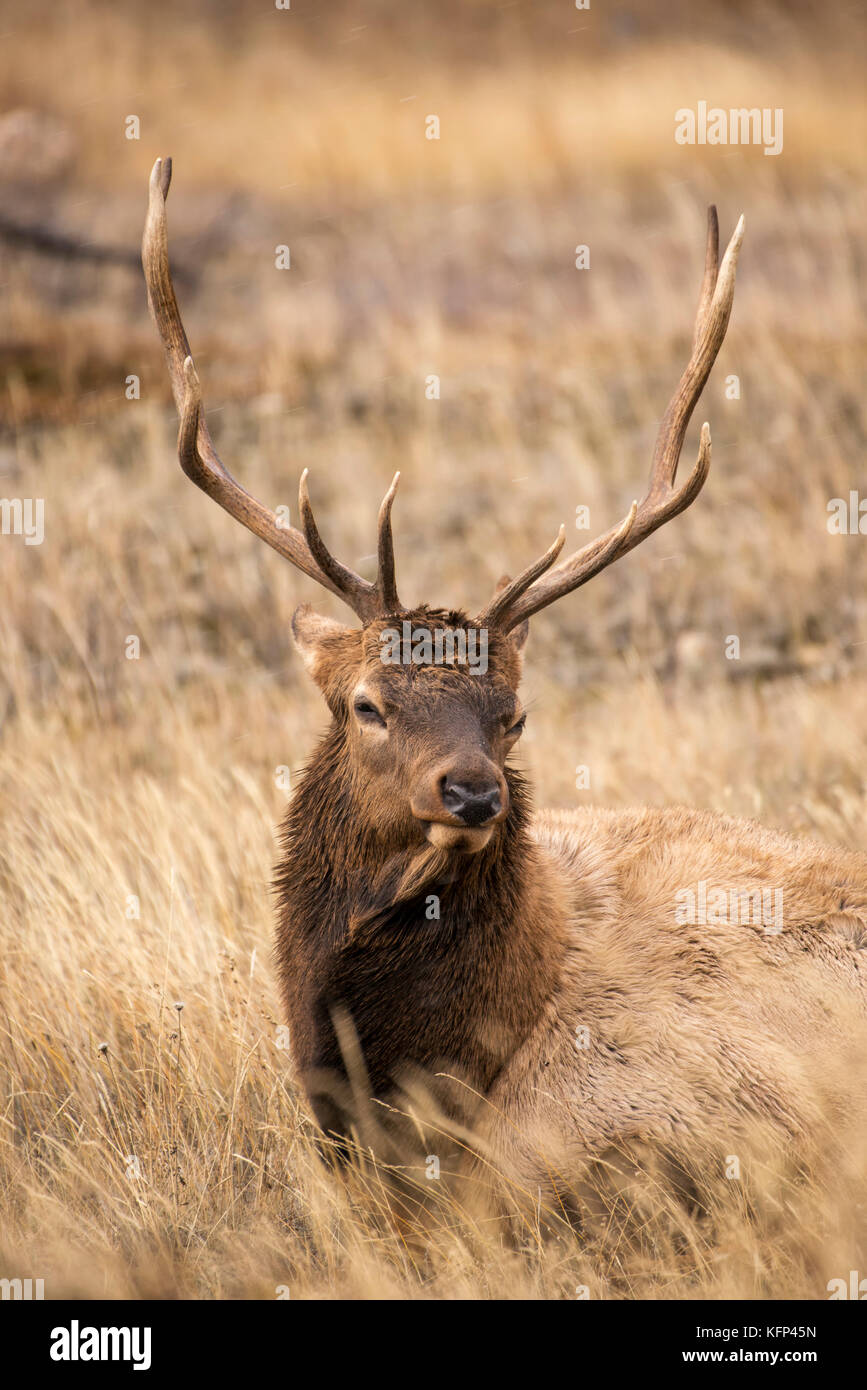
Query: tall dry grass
{"points": [[147, 1150]]}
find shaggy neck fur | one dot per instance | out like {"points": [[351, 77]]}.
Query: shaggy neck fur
{"points": [[459, 992]]}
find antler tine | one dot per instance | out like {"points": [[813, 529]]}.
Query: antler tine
{"points": [[662, 501], [710, 329], [360, 594], [386, 583], [500, 603], [369, 600], [198, 457], [711, 272]]}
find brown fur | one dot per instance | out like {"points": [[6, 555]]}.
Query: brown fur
{"points": [[563, 921]]}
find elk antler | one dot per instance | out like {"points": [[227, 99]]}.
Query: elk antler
{"points": [[529, 593], [201, 463]]}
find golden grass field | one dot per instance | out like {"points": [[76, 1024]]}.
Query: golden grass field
{"points": [[153, 1151]]}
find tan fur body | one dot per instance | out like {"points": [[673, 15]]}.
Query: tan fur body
{"points": [[558, 1010], [693, 1031]]}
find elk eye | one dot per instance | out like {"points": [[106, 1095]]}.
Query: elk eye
{"points": [[368, 713], [517, 728]]}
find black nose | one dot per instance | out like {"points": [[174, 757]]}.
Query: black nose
{"points": [[471, 805]]}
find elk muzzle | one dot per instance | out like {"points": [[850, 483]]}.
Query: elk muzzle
{"points": [[459, 804]]}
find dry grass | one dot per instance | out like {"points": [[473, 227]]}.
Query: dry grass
{"points": [[155, 778]]}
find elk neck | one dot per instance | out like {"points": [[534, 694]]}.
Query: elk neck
{"points": [[453, 971]]}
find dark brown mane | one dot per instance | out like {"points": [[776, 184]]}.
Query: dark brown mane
{"points": [[414, 986]]}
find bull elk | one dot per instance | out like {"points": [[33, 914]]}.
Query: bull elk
{"points": [[537, 973]]}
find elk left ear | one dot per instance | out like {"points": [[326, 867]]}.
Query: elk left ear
{"points": [[321, 641]]}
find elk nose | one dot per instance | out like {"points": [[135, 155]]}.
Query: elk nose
{"points": [[473, 805]]}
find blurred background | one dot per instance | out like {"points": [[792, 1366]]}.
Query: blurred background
{"points": [[154, 778]]}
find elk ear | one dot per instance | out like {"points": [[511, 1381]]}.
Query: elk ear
{"points": [[322, 643]]}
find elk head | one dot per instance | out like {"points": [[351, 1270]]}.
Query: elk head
{"points": [[427, 739], [427, 702]]}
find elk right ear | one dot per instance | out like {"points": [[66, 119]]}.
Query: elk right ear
{"points": [[324, 645]]}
